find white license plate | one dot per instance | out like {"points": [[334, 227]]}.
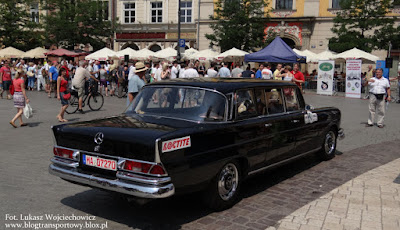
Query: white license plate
{"points": [[99, 162]]}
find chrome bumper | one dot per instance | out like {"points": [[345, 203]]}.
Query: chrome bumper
{"points": [[151, 191], [341, 135]]}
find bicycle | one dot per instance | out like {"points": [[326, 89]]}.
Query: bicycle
{"points": [[94, 100]]}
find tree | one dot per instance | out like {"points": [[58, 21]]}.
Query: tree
{"points": [[73, 22], [363, 24], [239, 24], [16, 27]]}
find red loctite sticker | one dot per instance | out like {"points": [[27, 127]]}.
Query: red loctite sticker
{"points": [[175, 144]]}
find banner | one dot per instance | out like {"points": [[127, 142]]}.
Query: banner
{"points": [[325, 77], [353, 78]]}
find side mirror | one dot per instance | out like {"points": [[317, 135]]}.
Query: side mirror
{"points": [[309, 107]]}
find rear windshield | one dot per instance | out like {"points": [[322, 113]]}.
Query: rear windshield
{"points": [[180, 102]]}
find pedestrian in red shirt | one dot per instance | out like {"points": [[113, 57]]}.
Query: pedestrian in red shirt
{"points": [[5, 80], [298, 76]]}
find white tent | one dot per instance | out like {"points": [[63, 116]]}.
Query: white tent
{"points": [[128, 51], [167, 53], [205, 55], [311, 57], [38, 52], [231, 55], [101, 55], [357, 54], [143, 54], [326, 55], [11, 52], [189, 53]]}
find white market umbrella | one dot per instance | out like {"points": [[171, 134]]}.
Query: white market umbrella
{"points": [[326, 55], [231, 55], [189, 53], [101, 55], [38, 52], [205, 55], [311, 56], [143, 54], [11, 52], [357, 54], [167, 54], [127, 51]]}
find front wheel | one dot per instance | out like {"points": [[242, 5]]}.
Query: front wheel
{"points": [[73, 105], [96, 101], [329, 145], [223, 192]]}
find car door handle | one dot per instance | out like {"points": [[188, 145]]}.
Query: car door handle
{"points": [[295, 121], [268, 125]]}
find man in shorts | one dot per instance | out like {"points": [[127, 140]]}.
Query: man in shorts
{"points": [[53, 75], [81, 75], [5, 80]]}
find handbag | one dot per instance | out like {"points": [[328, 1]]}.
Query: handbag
{"points": [[12, 89], [28, 111], [379, 96], [67, 95]]}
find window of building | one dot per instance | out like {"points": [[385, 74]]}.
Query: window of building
{"points": [[129, 12], [284, 4], [35, 12], [186, 11], [155, 48], [106, 9], [335, 4], [156, 12]]}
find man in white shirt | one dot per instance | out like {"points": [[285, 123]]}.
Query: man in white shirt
{"points": [[211, 71], [182, 70], [191, 72], [379, 88], [266, 73], [174, 70], [224, 71]]}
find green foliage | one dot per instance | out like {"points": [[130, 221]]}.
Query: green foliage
{"points": [[75, 22], [363, 24], [16, 27], [239, 24]]}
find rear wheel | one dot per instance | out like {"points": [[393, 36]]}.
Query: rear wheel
{"points": [[96, 101], [73, 105], [329, 145], [223, 192]]}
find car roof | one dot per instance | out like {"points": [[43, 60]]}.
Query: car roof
{"points": [[223, 85]]}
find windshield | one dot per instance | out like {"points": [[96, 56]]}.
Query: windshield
{"points": [[180, 102]]}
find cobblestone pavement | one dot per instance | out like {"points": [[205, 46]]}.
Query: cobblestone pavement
{"points": [[358, 189]]}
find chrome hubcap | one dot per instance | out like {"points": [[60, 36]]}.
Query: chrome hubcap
{"points": [[330, 142], [227, 181]]}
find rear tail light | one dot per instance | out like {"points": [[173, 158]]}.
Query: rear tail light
{"points": [[65, 153], [142, 167]]}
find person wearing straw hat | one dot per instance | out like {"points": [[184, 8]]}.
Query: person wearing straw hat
{"points": [[20, 97], [136, 82]]}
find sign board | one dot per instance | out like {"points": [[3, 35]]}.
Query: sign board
{"points": [[353, 78], [182, 43], [182, 50], [325, 77]]}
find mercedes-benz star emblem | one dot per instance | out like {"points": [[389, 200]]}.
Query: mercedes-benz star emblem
{"points": [[98, 138]]}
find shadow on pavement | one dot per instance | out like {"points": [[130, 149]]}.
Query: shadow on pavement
{"points": [[33, 124], [267, 197]]}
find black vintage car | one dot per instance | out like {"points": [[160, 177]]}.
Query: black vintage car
{"points": [[188, 135]]}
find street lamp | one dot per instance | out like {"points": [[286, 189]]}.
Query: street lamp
{"points": [[178, 56]]}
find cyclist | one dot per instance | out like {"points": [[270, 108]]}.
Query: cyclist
{"points": [[81, 76]]}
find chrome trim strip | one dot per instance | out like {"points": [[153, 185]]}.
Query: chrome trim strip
{"points": [[64, 162], [341, 134], [157, 157], [282, 162], [142, 179], [152, 191]]}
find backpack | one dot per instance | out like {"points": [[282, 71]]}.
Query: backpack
{"points": [[147, 75]]}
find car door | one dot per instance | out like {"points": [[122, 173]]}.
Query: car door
{"points": [[280, 136]]}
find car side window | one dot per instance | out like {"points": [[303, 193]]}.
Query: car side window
{"points": [[261, 102], [245, 104], [292, 104], [274, 101]]}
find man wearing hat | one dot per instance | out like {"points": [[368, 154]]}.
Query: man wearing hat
{"points": [[136, 82]]}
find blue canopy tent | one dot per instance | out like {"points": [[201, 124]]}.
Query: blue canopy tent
{"points": [[276, 51]]}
